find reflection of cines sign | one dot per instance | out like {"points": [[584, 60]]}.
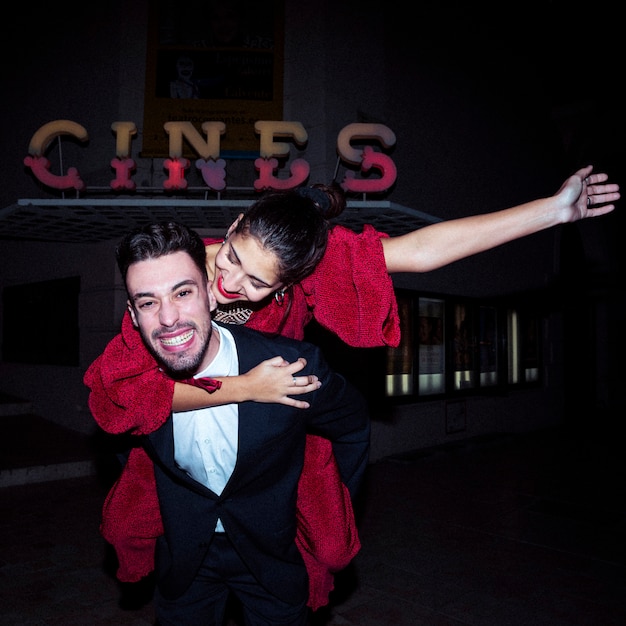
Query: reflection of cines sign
{"points": [[212, 168]]}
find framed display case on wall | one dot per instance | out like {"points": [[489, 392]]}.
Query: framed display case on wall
{"points": [[523, 338], [463, 346], [431, 367], [488, 342], [454, 346], [213, 61], [400, 361]]}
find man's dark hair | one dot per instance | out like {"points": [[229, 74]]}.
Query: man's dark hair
{"points": [[156, 240]]}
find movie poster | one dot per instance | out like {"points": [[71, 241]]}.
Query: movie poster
{"points": [[430, 336], [430, 339], [213, 61]]}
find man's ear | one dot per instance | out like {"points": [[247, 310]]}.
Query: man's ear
{"points": [[212, 298], [131, 312]]}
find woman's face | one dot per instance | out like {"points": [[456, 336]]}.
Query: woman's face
{"points": [[244, 270]]}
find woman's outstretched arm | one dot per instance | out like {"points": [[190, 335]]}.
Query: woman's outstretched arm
{"points": [[581, 196]]}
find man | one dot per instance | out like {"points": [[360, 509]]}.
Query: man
{"points": [[227, 476]]}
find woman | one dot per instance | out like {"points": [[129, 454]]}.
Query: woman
{"points": [[281, 265]]}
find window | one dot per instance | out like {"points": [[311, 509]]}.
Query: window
{"points": [[453, 346], [400, 361], [463, 346], [488, 345], [431, 348]]}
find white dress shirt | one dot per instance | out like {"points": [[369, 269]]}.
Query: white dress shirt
{"points": [[205, 440]]}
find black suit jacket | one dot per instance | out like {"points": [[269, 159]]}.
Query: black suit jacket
{"points": [[258, 505]]}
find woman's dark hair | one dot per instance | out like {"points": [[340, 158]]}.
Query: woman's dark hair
{"points": [[156, 240], [294, 225]]}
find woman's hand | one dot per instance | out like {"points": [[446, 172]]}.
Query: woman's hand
{"points": [[276, 380], [587, 195], [582, 195]]}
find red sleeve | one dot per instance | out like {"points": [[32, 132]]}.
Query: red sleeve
{"points": [[351, 293], [128, 391], [327, 535]]}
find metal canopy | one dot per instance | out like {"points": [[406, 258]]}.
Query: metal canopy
{"points": [[92, 220]]}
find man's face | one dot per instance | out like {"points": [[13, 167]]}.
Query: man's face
{"points": [[170, 303]]}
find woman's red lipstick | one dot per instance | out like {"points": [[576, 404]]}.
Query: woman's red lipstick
{"points": [[226, 294]]}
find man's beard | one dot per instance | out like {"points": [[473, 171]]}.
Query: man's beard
{"points": [[178, 365]]}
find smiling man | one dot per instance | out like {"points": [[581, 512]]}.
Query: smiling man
{"points": [[171, 314], [227, 476]]}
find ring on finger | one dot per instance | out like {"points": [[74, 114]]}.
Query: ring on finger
{"points": [[588, 200], [295, 382]]}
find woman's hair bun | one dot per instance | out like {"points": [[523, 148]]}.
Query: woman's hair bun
{"points": [[329, 199]]}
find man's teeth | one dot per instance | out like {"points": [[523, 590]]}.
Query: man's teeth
{"points": [[178, 340]]}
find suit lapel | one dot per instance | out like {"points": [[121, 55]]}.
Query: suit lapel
{"points": [[162, 442]]}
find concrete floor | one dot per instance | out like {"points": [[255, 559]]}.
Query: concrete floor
{"points": [[505, 530]]}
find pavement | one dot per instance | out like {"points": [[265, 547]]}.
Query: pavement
{"points": [[505, 530]]}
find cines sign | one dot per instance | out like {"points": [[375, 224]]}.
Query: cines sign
{"points": [[212, 167]]}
